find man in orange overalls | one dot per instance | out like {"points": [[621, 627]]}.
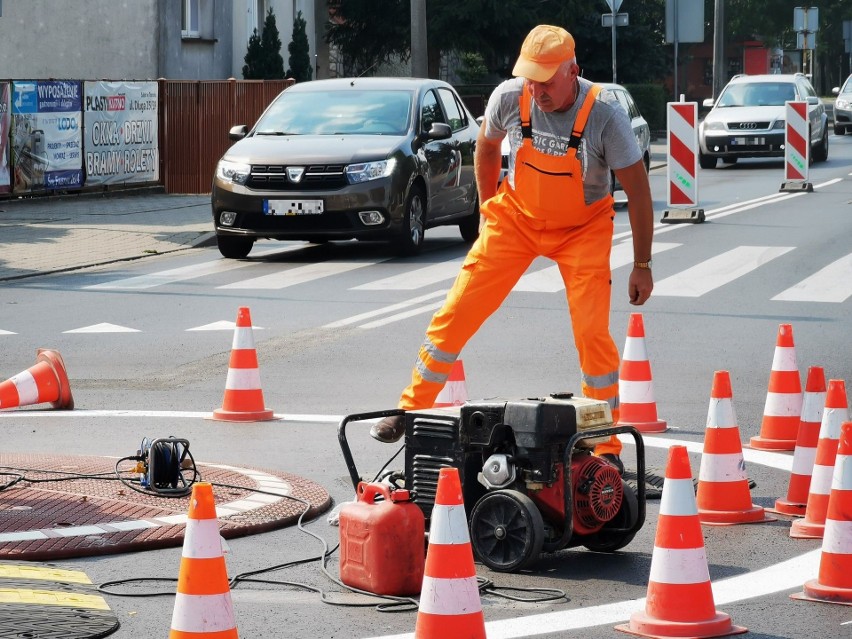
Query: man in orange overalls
{"points": [[565, 136]]}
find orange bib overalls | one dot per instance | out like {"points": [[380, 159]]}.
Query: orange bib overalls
{"points": [[544, 215]]}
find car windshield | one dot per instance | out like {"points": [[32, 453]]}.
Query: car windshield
{"points": [[847, 86], [757, 94], [356, 112]]}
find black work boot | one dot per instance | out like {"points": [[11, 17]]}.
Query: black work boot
{"points": [[389, 429], [614, 460]]}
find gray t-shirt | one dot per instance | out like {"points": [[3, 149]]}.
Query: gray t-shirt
{"points": [[608, 140]]}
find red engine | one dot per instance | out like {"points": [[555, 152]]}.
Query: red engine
{"points": [[597, 494]]}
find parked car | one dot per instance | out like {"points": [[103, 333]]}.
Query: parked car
{"points": [[748, 119], [364, 158], [843, 107], [640, 129]]}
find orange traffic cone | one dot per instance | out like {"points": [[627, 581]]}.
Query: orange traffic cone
{"points": [[449, 599], [635, 386], [783, 406], [243, 396], [806, 443], [723, 495], [44, 381], [203, 601], [834, 584], [835, 413], [680, 597], [454, 392]]}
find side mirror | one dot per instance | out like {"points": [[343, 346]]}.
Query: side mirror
{"points": [[836, 90], [237, 132], [812, 99], [439, 131], [708, 103]]}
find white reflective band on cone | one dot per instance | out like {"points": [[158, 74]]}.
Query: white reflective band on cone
{"points": [[841, 478], [821, 479], [450, 596], [832, 420], [449, 525], [784, 359], [837, 537], [722, 468], [721, 413], [243, 339], [803, 460], [679, 566], [812, 406], [203, 613], [783, 405], [678, 498], [26, 387], [202, 540], [243, 379], [634, 350], [635, 392]]}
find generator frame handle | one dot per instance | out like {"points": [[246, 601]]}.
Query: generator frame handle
{"points": [[568, 532], [344, 443]]}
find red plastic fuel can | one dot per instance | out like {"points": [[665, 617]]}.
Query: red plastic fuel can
{"points": [[382, 543]]}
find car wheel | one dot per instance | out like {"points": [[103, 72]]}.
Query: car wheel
{"points": [[469, 226], [234, 247], [706, 161], [413, 223], [820, 151]]}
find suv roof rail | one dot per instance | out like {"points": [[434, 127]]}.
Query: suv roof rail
{"points": [[738, 75]]}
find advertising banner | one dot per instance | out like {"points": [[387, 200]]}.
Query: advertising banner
{"points": [[121, 138], [5, 124], [46, 135]]}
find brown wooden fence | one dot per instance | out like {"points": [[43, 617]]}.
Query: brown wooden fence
{"points": [[195, 117]]}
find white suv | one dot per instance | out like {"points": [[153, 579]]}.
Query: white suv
{"points": [[747, 120]]}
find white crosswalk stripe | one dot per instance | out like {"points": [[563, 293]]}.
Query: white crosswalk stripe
{"points": [[830, 284], [298, 275], [718, 271]]}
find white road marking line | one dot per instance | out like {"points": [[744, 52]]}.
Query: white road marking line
{"points": [[417, 278], [405, 315], [717, 271], [222, 325], [830, 284], [23, 414], [2, 332], [387, 309], [298, 275], [103, 327]]}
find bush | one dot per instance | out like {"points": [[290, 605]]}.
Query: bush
{"points": [[651, 100]]}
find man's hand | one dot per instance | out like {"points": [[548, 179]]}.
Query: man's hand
{"points": [[640, 285]]}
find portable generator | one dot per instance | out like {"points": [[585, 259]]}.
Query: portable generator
{"points": [[529, 479]]}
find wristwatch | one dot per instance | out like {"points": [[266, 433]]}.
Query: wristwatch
{"points": [[645, 265]]}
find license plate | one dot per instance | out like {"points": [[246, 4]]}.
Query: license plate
{"points": [[747, 141], [292, 207]]}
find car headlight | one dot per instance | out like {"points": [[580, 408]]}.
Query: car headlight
{"points": [[842, 104], [714, 126], [366, 171], [235, 172], [779, 124]]}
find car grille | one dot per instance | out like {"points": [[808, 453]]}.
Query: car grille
{"points": [[748, 126], [317, 177]]}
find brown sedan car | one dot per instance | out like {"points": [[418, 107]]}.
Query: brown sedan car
{"points": [[365, 158]]}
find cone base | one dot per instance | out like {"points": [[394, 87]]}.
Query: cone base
{"points": [[754, 515], [815, 591], [642, 625], [658, 426], [791, 508], [53, 359], [764, 443], [804, 529], [223, 415]]}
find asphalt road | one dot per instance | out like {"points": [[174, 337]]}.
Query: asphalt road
{"points": [[344, 343]]}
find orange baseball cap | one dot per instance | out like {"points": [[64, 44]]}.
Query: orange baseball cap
{"points": [[543, 50]]}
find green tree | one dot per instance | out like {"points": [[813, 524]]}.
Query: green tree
{"points": [[300, 59], [263, 59]]}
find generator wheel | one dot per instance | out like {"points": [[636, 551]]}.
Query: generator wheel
{"points": [[610, 541], [506, 530]]}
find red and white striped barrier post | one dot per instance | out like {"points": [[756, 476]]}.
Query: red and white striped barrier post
{"points": [[797, 148], [682, 173]]}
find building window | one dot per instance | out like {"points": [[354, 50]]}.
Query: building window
{"points": [[190, 20]]}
